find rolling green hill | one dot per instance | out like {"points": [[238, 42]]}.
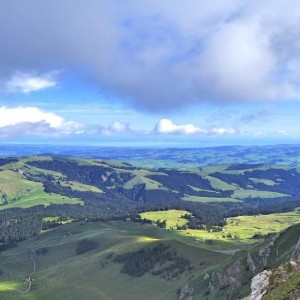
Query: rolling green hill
{"points": [[62, 274], [170, 232], [23, 181]]}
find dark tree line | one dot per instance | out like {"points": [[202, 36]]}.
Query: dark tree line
{"points": [[86, 245], [18, 224], [99, 176], [183, 182], [286, 181], [6, 161], [117, 204], [161, 260]]}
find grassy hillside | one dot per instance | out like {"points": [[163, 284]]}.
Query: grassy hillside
{"points": [[232, 280], [284, 283], [21, 181], [238, 233], [62, 274], [17, 191], [118, 191]]}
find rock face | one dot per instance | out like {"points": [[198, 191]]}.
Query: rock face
{"points": [[231, 276], [296, 252], [186, 293], [250, 263], [233, 279], [259, 284], [265, 252]]}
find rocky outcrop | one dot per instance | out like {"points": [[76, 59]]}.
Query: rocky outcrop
{"points": [[265, 252], [230, 277], [186, 293], [250, 263], [259, 284], [244, 269], [296, 252]]}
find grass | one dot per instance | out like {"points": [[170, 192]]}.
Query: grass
{"points": [[78, 186], [241, 229], [208, 199], [242, 194], [172, 216], [14, 185], [8, 286], [61, 274], [39, 197], [21, 192], [150, 184], [280, 291], [219, 184], [55, 219], [264, 181]]}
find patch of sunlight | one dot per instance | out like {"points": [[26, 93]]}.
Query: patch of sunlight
{"points": [[8, 286], [146, 239]]}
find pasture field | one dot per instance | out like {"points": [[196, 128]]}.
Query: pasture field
{"points": [[243, 194], [17, 191], [208, 199], [149, 184], [172, 216], [62, 274], [219, 184], [78, 186], [237, 234]]}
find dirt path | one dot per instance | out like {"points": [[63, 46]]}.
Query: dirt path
{"points": [[32, 254]]}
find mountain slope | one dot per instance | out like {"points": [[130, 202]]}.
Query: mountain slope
{"points": [[233, 280]]}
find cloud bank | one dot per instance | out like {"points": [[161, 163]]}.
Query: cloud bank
{"points": [[158, 54], [166, 126], [32, 121], [23, 121]]}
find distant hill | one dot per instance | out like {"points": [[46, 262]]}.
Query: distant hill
{"points": [[38, 180], [192, 233], [167, 157]]}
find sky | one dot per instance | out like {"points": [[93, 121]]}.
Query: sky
{"points": [[150, 73]]}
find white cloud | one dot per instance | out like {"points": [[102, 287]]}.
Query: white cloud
{"points": [[19, 121], [166, 126], [26, 83], [115, 128]]}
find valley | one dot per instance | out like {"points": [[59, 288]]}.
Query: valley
{"points": [[173, 232]]}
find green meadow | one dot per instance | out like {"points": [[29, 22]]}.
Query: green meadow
{"points": [[237, 234], [62, 274]]}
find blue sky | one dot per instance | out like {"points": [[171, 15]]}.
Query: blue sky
{"points": [[197, 73]]}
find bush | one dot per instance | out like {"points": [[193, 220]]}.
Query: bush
{"points": [[86, 245], [42, 251]]}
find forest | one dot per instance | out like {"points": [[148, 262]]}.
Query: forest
{"points": [[119, 203]]}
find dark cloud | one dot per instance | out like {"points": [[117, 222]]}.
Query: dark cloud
{"points": [[28, 129], [159, 54]]}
